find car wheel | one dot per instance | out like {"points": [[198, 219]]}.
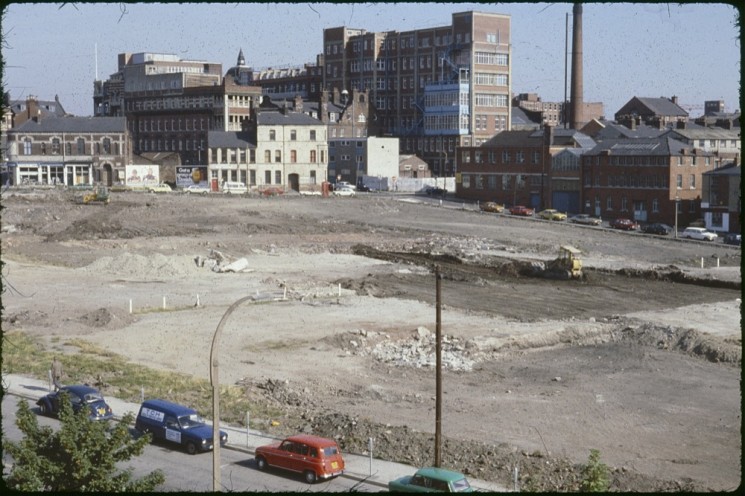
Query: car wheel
{"points": [[310, 476], [261, 463], [191, 448], [44, 409]]}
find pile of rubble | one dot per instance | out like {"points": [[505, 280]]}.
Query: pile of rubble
{"points": [[417, 351], [219, 262]]}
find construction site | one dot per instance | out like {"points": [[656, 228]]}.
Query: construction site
{"points": [[556, 338]]}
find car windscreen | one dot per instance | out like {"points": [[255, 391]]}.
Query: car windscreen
{"points": [[192, 420], [461, 485]]}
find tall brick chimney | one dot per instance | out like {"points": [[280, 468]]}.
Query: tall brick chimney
{"points": [[576, 117], [33, 112]]}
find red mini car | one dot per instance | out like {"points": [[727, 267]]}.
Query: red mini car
{"points": [[521, 210], [624, 224], [313, 456]]}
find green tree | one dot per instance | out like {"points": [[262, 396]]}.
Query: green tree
{"points": [[595, 476], [81, 456]]}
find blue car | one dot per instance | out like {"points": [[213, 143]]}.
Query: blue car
{"points": [[176, 424], [81, 396]]}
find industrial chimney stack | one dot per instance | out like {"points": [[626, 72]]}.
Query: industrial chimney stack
{"points": [[576, 104]]}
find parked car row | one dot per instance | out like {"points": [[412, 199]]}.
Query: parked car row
{"points": [[313, 457]]}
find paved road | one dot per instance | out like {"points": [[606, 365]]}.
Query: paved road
{"points": [[239, 471]]}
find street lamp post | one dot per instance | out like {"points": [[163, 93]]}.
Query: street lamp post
{"points": [[677, 202], [216, 479]]}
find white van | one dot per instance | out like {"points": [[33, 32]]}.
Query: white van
{"points": [[234, 188]]}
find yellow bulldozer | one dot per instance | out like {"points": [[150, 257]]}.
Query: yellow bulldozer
{"points": [[99, 194], [566, 266]]}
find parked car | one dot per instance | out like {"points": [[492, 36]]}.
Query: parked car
{"points": [[491, 207], [195, 189], [81, 396], [733, 239], [521, 210], [431, 479], [159, 188], [552, 214], [344, 191], [661, 229], [234, 188], [699, 233], [178, 424], [363, 188], [586, 220], [313, 456], [623, 224], [436, 191]]}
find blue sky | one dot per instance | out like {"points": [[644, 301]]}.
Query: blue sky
{"points": [[652, 50]]}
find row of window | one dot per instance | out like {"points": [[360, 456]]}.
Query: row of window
{"points": [[239, 175], [408, 41], [490, 157], [293, 135], [175, 125], [54, 147]]}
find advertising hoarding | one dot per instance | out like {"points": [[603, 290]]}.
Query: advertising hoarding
{"points": [[141, 175], [188, 175]]}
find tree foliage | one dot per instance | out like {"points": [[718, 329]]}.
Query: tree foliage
{"points": [[81, 456]]}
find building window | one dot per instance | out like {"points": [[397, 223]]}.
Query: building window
{"points": [[55, 146], [679, 181], [252, 177], [520, 157], [692, 206], [27, 146], [107, 146], [293, 135], [267, 156], [293, 156], [81, 146], [505, 157], [277, 177], [693, 181], [624, 204], [609, 203], [312, 135], [278, 156], [655, 205], [267, 177], [272, 135]]}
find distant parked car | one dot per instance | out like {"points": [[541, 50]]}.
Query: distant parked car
{"points": [[660, 229], [159, 188], [431, 480], [521, 210], [313, 456], [344, 184], [195, 189], [81, 396], [585, 219], [623, 224], [733, 239], [363, 188], [491, 207], [699, 233], [436, 191], [343, 191], [552, 214]]}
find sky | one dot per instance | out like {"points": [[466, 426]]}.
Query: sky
{"points": [[691, 51]]}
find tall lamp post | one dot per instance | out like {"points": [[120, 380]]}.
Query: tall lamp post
{"points": [[214, 381], [677, 202]]}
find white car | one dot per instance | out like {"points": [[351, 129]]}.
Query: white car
{"points": [[344, 192], [699, 233], [159, 188], [195, 189]]}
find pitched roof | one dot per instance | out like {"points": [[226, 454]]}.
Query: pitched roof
{"points": [[731, 169], [268, 117], [73, 125], [660, 146], [229, 139]]}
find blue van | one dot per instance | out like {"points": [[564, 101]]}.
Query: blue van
{"points": [[178, 424]]}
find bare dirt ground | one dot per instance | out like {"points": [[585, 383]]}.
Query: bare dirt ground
{"points": [[641, 359]]}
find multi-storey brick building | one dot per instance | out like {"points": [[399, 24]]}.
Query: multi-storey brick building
{"points": [[69, 150], [525, 168], [434, 88], [644, 179], [171, 104]]}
